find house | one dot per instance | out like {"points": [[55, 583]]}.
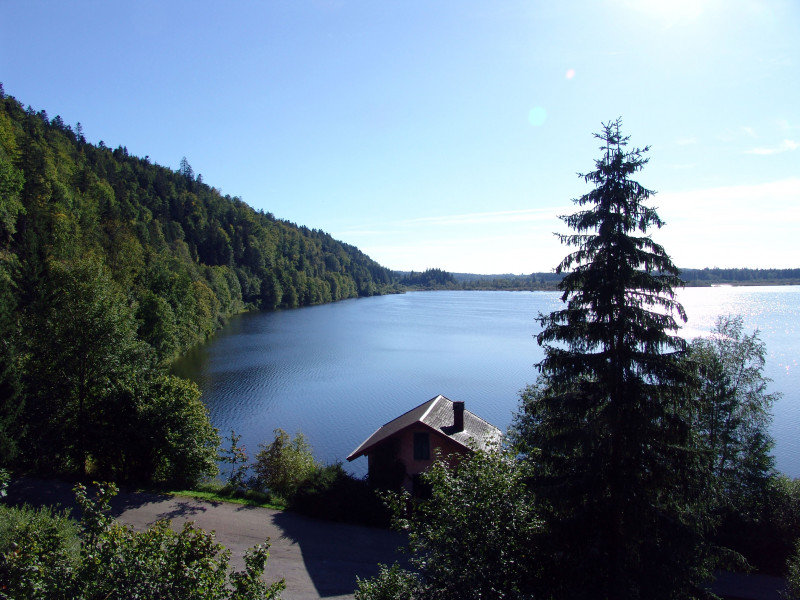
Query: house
{"points": [[404, 447]]}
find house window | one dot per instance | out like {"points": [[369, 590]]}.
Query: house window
{"points": [[422, 446]]}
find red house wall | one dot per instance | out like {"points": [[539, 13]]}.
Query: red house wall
{"points": [[405, 453]]}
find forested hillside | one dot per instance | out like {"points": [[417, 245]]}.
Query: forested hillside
{"points": [[187, 255], [110, 266]]}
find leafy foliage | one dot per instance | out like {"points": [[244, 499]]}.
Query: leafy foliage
{"points": [[283, 464], [472, 538], [184, 444], [96, 397], [115, 561], [236, 456], [39, 551], [735, 409], [617, 473], [329, 492], [391, 583], [793, 575]]}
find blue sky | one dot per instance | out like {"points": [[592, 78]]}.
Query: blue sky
{"points": [[442, 133]]}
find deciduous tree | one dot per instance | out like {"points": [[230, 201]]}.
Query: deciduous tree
{"points": [[284, 463], [473, 538], [236, 456], [735, 409]]}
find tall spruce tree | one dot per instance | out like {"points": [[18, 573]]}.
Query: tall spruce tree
{"points": [[617, 469]]}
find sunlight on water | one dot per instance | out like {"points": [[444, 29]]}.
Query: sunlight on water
{"points": [[339, 371]]}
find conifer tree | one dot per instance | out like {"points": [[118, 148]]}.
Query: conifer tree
{"points": [[616, 471]]}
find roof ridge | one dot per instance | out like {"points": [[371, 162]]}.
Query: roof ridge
{"points": [[434, 402], [410, 410]]}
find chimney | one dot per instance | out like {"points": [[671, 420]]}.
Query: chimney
{"points": [[458, 416]]}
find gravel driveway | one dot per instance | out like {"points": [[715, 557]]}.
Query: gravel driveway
{"points": [[318, 559]]}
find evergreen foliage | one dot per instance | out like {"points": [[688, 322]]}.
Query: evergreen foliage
{"points": [[618, 471]]}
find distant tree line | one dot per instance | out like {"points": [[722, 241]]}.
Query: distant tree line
{"points": [[428, 279], [534, 281], [690, 278], [702, 277]]}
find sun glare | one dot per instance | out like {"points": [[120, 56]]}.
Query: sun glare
{"points": [[670, 12]]}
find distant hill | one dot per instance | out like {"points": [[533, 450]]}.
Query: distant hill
{"points": [[186, 256]]}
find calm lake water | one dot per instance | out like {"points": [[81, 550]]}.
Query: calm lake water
{"points": [[339, 371]]}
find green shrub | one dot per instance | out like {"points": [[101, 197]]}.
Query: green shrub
{"points": [[284, 464], [40, 552], [393, 583], [333, 494], [793, 574], [39, 559], [765, 532]]}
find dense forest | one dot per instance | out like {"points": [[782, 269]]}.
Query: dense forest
{"points": [[111, 266]]}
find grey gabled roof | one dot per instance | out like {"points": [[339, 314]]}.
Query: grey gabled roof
{"points": [[436, 413]]}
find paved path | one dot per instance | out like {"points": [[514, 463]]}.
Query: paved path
{"points": [[318, 559]]}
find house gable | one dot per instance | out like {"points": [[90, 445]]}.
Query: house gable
{"points": [[440, 423]]}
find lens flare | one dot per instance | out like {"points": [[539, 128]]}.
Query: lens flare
{"points": [[537, 116], [570, 73]]}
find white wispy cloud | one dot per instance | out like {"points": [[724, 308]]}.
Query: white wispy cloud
{"points": [[459, 220], [506, 216], [785, 146], [750, 131], [686, 141], [752, 225]]}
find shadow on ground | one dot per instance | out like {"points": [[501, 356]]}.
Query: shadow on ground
{"points": [[335, 554], [58, 493]]}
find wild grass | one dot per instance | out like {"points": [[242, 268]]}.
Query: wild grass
{"points": [[219, 492]]}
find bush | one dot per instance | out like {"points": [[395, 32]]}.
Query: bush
{"points": [[765, 532], [116, 562], [40, 551], [284, 464], [793, 575], [474, 537], [393, 583], [333, 494]]}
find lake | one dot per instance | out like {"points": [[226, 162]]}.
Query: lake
{"points": [[339, 371]]}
